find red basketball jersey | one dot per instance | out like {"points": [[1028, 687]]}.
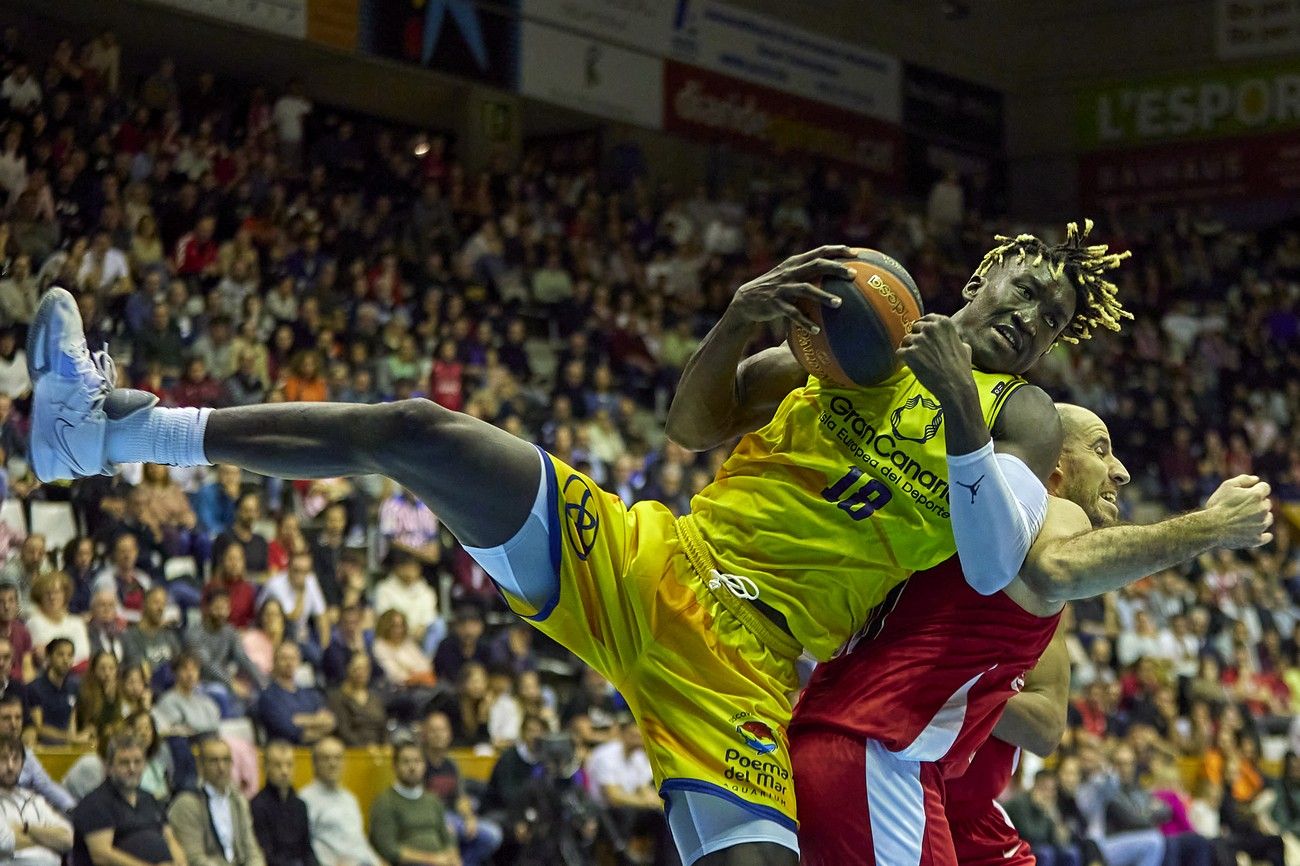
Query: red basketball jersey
{"points": [[931, 671]]}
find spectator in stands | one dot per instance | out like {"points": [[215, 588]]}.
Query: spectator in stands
{"points": [[164, 508], [301, 601], [99, 700], [358, 708], [123, 576], [12, 628], [184, 710], [407, 591], [465, 643], [14, 380], [337, 832], [30, 563], [41, 834], [10, 685], [289, 116], [230, 576], [247, 513], [590, 713], [279, 815], [227, 672], [289, 712], [619, 776], [327, 548], [118, 819], [407, 823], [216, 501], [349, 638], [33, 775], [51, 618], [160, 773], [214, 825], [137, 695], [261, 642], [1037, 819], [104, 626], [408, 526], [401, 659], [151, 641], [80, 566], [18, 291], [53, 695], [477, 837], [21, 90]]}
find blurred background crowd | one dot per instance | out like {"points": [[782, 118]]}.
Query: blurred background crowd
{"points": [[234, 244]]}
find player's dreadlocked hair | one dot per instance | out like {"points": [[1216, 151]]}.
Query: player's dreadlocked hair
{"points": [[1096, 301]]}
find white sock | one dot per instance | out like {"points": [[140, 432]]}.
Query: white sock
{"points": [[170, 436]]}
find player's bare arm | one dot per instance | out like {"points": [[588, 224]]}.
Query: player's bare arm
{"points": [[721, 396], [1071, 560], [1035, 718]]}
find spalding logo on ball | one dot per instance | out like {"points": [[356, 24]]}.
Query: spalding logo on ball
{"points": [[859, 340]]}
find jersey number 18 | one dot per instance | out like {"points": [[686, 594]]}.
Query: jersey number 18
{"points": [[865, 501]]}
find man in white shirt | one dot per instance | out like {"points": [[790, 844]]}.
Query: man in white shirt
{"points": [[20, 89], [407, 590], [621, 779], [299, 594], [338, 836], [288, 114], [37, 834], [105, 268]]}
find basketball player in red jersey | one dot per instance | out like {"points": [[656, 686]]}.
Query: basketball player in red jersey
{"points": [[879, 728], [1034, 720]]}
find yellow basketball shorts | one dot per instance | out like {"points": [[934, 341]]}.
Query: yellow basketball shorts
{"points": [[634, 602]]}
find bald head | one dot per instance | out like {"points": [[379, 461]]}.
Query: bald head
{"points": [[1088, 472]]}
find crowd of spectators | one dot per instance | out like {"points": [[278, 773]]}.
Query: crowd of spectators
{"points": [[232, 245]]}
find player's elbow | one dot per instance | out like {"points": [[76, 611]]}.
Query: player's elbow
{"points": [[692, 431], [1043, 738]]}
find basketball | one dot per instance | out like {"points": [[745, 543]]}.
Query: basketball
{"points": [[859, 340]]}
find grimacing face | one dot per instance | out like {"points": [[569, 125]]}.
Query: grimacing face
{"points": [[1090, 473], [1013, 314]]}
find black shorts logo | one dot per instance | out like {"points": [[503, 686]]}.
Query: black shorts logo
{"points": [[580, 521]]}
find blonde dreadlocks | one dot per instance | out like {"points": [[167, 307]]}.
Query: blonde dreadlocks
{"points": [[1096, 301]]}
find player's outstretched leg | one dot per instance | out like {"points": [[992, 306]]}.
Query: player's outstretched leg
{"points": [[479, 480]]}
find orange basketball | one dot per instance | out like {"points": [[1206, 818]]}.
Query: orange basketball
{"points": [[859, 340]]}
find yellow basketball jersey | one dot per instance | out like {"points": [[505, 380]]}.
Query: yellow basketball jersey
{"points": [[842, 496]]}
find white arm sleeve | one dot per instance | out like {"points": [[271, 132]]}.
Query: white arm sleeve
{"points": [[998, 506]]}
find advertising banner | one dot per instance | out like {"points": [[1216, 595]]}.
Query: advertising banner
{"points": [[714, 107], [1214, 104], [1257, 167], [590, 75], [285, 17], [739, 43], [1254, 28]]}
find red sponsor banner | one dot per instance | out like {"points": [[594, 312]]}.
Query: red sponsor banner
{"points": [[703, 104], [1256, 167]]}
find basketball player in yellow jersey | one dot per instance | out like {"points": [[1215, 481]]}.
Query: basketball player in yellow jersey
{"points": [[700, 624]]}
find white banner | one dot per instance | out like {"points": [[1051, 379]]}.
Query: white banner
{"points": [[774, 53], [646, 25], [745, 45], [1252, 28], [591, 75], [285, 17]]}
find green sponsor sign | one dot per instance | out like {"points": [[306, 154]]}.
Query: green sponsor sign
{"points": [[1211, 104]]}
